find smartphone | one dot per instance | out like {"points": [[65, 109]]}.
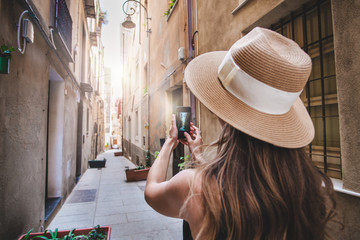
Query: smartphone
{"points": [[183, 115]]}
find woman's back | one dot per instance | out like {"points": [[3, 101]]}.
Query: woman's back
{"points": [[259, 191]]}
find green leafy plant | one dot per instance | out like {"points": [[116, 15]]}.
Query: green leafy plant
{"points": [[95, 234], [71, 235], [145, 89], [103, 17], [27, 235], [140, 167], [6, 51], [53, 234], [184, 162], [171, 5]]}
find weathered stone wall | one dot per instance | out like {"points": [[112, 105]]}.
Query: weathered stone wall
{"points": [[346, 23]]}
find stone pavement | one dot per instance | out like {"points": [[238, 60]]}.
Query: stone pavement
{"points": [[102, 196]]}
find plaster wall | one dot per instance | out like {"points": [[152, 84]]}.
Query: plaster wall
{"points": [[44, 9], [348, 210], [219, 26], [346, 24], [346, 41], [23, 114]]}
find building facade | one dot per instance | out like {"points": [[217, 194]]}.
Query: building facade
{"points": [[51, 111], [153, 78], [134, 90], [107, 93]]}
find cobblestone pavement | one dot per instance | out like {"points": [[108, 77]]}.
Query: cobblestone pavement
{"points": [[102, 196]]}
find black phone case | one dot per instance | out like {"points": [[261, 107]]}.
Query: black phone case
{"points": [[183, 115]]}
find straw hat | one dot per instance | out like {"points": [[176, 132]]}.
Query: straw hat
{"points": [[255, 87]]}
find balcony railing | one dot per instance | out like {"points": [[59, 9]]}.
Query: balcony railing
{"points": [[63, 22], [93, 38], [90, 8]]}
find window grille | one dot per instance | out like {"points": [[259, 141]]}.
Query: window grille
{"points": [[63, 22], [311, 28]]}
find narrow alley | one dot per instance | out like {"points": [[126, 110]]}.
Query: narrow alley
{"points": [[102, 196], [80, 80]]}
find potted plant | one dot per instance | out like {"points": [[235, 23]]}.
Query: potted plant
{"points": [[95, 233], [5, 57], [172, 4], [97, 163], [136, 174], [118, 153]]}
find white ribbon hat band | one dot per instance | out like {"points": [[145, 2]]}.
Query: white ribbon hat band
{"points": [[254, 93]]}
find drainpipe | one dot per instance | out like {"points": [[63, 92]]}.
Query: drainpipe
{"points": [[148, 86], [191, 50], [189, 19]]}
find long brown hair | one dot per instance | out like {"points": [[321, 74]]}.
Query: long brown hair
{"points": [[266, 192]]}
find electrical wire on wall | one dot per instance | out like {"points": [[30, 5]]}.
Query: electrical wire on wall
{"points": [[52, 37], [21, 50]]}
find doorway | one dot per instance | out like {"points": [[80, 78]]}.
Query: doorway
{"points": [[54, 152]]}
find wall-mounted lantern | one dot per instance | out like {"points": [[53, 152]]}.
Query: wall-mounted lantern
{"points": [[128, 23]]}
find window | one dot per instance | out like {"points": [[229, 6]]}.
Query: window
{"points": [[312, 29]]}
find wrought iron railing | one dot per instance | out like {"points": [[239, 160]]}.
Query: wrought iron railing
{"points": [[63, 22]]}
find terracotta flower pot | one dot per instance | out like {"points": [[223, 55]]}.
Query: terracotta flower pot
{"points": [[119, 153], [136, 175]]}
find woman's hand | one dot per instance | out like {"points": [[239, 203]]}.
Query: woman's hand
{"points": [[193, 140], [173, 132]]}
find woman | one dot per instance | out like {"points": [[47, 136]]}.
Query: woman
{"points": [[260, 182]]}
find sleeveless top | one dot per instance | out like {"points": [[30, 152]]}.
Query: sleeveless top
{"points": [[187, 232]]}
